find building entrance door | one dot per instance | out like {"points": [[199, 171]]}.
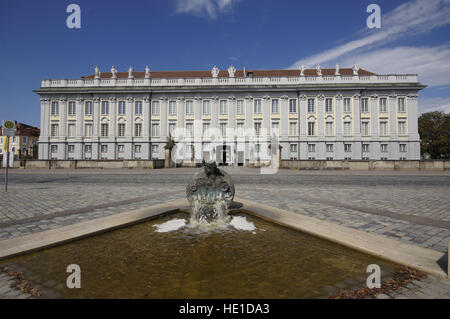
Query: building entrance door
{"points": [[223, 157]]}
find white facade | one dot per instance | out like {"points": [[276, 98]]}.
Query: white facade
{"points": [[314, 114]]}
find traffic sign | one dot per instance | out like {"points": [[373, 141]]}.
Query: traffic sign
{"points": [[9, 128]]}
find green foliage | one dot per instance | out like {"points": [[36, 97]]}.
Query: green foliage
{"points": [[434, 130]]}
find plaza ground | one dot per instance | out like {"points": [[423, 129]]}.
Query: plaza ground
{"points": [[410, 206]]}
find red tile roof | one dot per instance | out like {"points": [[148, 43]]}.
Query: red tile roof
{"points": [[224, 73]]}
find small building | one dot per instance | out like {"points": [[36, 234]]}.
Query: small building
{"points": [[24, 144]]}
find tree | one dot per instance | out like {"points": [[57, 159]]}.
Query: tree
{"points": [[434, 130]]}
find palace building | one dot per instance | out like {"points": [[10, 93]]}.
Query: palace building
{"points": [[230, 116]]}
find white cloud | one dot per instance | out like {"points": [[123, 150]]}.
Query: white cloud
{"points": [[201, 7], [431, 63], [434, 104], [411, 18]]}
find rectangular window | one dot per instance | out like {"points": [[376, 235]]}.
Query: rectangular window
{"points": [[122, 108], [55, 108], [72, 108], [292, 106], [206, 126], [276, 128], [189, 107], [311, 108], [54, 148], [88, 149], [71, 130], [275, 106], [257, 106], [365, 105], [347, 128], [88, 108], [105, 130], [190, 129], [383, 128], [347, 105], [137, 129], [88, 130], [120, 148], [365, 148], [223, 128], [104, 148], [155, 149], [311, 148], [329, 129], [105, 107], [365, 128], [328, 105], [206, 107], [137, 148], [223, 107], [293, 128], [172, 107], [384, 148], [401, 105], [55, 130], [138, 108], [240, 128], [311, 128], [172, 127], [293, 148], [257, 148], [240, 107], [329, 148], [402, 148], [70, 148], [258, 128], [383, 105], [347, 148], [121, 130], [155, 108], [155, 129], [402, 127]]}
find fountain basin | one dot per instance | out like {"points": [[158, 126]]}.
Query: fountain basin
{"points": [[383, 248], [266, 261]]}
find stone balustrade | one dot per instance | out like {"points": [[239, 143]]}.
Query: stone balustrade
{"points": [[366, 79]]}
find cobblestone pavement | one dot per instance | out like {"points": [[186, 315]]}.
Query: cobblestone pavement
{"points": [[413, 207]]}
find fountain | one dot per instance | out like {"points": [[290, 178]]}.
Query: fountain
{"points": [[210, 194]]}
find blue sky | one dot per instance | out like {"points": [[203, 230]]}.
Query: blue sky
{"points": [[35, 42]]}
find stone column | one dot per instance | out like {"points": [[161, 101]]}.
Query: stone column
{"points": [[214, 112], [393, 145], [79, 130], [112, 127], [43, 147], [163, 124], [146, 128], [303, 122], [62, 152], [95, 133], [285, 119], [129, 128], [375, 151], [266, 114], [412, 127], [248, 112], [320, 147], [357, 150], [181, 111], [374, 117]]}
